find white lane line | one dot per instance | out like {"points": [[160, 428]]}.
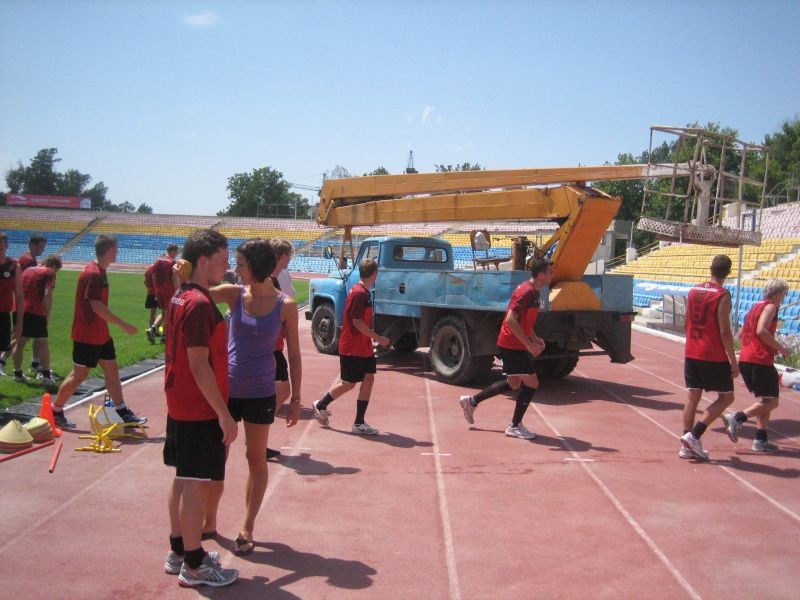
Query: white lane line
{"points": [[730, 472], [435, 454], [622, 510], [447, 533]]}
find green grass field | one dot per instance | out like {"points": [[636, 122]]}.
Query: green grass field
{"points": [[126, 299]]}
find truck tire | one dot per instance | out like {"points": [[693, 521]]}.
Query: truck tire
{"points": [[556, 368], [449, 351], [324, 331], [407, 343]]}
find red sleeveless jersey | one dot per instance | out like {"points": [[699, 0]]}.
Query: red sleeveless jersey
{"points": [[358, 306], [703, 339], [753, 349]]}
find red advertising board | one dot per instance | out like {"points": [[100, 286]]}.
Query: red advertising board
{"points": [[48, 201]]}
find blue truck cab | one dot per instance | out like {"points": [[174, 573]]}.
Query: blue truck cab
{"points": [[420, 300]]}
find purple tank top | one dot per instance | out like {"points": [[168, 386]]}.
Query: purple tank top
{"points": [[251, 344]]}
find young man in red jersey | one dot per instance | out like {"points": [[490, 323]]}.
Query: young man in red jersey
{"points": [[150, 300], [518, 345], [92, 343], [36, 246], [165, 282], [356, 357], [11, 296], [37, 286], [757, 365], [710, 359], [199, 424]]}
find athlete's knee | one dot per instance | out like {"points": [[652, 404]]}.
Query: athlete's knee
{"points": [[769, 403]]}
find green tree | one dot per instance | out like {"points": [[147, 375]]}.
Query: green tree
{"points": [[41, 177], [783, 177], [378, 171], [338, 172], [462, 167], [127, 207], [145, 209], [262, 193]]}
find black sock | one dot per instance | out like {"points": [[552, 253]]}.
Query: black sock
{"points": [[176, 545], [361, 410], [498, 387], [194, 558], [523, 400], [34, 366], [17, 373], [761, 435], [45, 372], [327, 399], [699, 429], [740, 417]]}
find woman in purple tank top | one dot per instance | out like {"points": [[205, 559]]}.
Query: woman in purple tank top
{"points": [[258, 311]]}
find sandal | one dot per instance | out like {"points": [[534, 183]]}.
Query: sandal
{"points": [[242, 546], [208, 535]]}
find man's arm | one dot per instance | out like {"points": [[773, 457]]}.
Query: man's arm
{"points": [[226, 293], [763, 332], [534, 345], [204, 377], [102, 311], [289, 316], [362, 327], [725, 333], [19, 300]]}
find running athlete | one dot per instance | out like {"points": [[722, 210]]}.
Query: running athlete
{"points": [[92, 343], [36, 246], [37, 285], [356, 357], [164, 280], [710, 359], [259, 315], [518, 345], [757, 365], [283, 282], [199, 426], [150, 301], [11, 296]]}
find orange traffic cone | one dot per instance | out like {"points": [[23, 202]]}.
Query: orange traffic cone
{"points": [[47, 413]]}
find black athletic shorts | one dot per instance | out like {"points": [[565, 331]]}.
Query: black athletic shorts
{"points": [[195, 449], [281, 367], [88, 355], [517, 362], [34, 327], [761, 380], [708, 375], [5, 331], [353, 368], [150, 301], [260, 411]]}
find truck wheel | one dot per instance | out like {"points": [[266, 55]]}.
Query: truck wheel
{"points": [[407, 343], [449, 351], [324, 331], [557, 368]]}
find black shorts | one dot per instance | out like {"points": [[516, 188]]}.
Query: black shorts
{"points": [[88, 355], [5, 331], [517, 362], [34, 327], [281, 367], [150, 301], [353, 368], [195, 449], [260, 411], [708, 375], [761, 380]]}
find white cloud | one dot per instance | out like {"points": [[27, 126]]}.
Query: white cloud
{"points": [[202, 20], [427, 113]]}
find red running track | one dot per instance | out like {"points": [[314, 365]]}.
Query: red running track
{"points": [[598, 506]]}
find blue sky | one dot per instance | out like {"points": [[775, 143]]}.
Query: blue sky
{"points": [[163, 101]]}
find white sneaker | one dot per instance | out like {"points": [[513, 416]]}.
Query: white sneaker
{"points": [[731, 426], [210, 573], [764, 446], [520, 431], [695, 445], [173, 564], [468, 407], [685, 453], [22, 378], [48, 381], [364, 429], [320, 414]]}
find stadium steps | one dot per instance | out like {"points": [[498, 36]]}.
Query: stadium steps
{"points": [[75, 240]]}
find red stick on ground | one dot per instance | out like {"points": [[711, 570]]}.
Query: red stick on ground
{"points": [[56, 452]]}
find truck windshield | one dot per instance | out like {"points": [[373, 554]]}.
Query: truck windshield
{"points": [[419, 254]]}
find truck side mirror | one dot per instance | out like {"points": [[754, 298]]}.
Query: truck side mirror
{"points": [[328, 252]]}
